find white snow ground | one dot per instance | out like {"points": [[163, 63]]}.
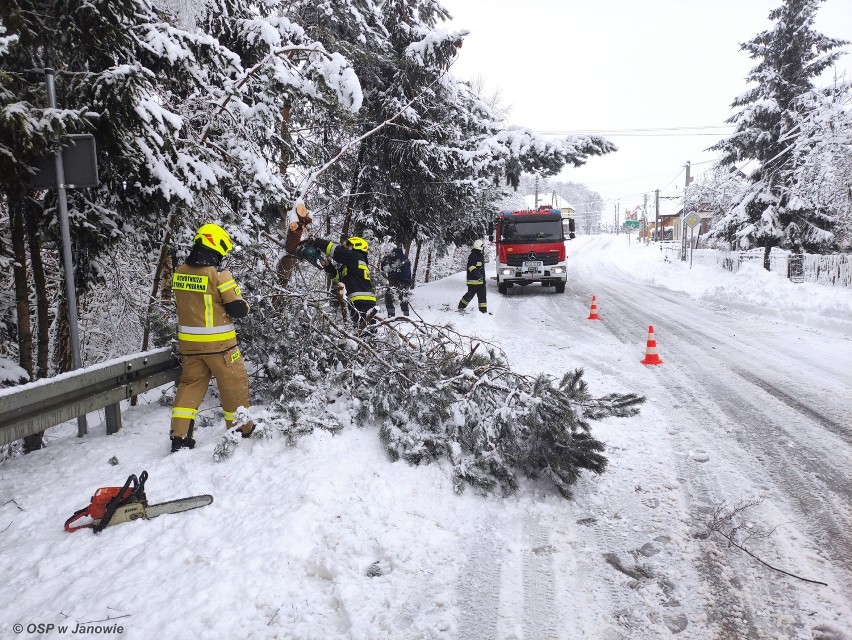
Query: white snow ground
{"points": [[329, 539]]}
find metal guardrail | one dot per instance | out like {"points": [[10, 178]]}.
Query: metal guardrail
{"points": [[27, 409]]}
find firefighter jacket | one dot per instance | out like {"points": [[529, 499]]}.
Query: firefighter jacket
{"points": [[397, 267], [475, 268], [206, 300], [353, 271]]}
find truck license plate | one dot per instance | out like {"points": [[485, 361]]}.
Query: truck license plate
{"points": [[535, 264]]}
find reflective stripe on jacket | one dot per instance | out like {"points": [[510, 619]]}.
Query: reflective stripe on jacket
{"points": [[200, 295], [475, 268], [354, 273]]}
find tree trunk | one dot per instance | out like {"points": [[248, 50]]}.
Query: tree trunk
{"points": [[350, 202], [161, 262], [62, 357], [416, 262], [766, 252], [22, 299], [42, 302], [428, 273], [22, 306], [284, 158], [22, 293], [292, 238]]}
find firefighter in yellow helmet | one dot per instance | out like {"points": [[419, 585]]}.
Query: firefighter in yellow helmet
{"points": [[353, 272], [207, 300]]}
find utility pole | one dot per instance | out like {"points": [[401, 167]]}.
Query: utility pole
{"points": [[645, 217], [683, 214], [657, 215], [536, 192]]}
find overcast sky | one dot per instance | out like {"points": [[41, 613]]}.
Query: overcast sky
{"points": [[612, 65]]}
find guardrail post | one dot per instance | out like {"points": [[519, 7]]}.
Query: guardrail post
{"points": [[113, 418]]}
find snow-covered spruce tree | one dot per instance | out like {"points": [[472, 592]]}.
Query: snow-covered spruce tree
{"points": [[188, 124], [716, 191], [429, 174], [769, 212], [822, 148], [112, 60], [263, 126], [434, 394]]}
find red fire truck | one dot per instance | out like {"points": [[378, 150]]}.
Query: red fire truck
{"points": [[531, 248]]}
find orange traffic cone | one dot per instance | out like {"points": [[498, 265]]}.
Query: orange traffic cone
{"points": [[651, 356], [593, 313]]}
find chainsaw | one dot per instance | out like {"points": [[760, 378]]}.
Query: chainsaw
{"points": [[310, 253], [114, 505]]}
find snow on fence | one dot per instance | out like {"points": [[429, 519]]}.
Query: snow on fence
{"points": [[834, 269]]}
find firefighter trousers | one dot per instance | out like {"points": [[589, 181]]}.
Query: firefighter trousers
{"points": [[477, 290], [400, 291], [231, 377], [363, 313]]}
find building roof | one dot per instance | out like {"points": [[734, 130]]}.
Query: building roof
{"points": [[553, 199]]}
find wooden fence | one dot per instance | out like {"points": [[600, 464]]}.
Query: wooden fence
{"points": [[832, 269]]}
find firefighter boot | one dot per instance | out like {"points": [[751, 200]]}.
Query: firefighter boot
{"points": [[182, 443], [186, 442]]}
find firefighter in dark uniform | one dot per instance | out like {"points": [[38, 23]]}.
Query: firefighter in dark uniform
{"points": [[207, 300], [475, 279], [397, 268], [354, 273]]}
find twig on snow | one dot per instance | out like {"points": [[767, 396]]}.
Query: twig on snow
{"points": [[723, 523]]}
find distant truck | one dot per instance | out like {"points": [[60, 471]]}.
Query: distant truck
{"points": [[531, 248]]}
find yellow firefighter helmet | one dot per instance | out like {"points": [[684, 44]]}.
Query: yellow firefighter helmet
{"points": [[214, 237], [358, 244]]}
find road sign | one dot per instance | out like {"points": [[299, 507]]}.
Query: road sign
{"points": [[692, 220], [633, 224], [79, 160]]}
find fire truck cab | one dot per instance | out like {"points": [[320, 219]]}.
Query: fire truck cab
{"points": [[531, 248]]}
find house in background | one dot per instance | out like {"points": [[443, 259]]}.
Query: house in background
{"points": [[553, 199], [674, 228], [668, 221]]}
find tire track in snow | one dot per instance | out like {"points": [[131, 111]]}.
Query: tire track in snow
{"points": [[725, 609], [479, 589], [644, 604], [539, 617], [790, 470], [825, 423]]}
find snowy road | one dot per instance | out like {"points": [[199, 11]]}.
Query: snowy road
{"points": [[744, 407], [326, 538]]}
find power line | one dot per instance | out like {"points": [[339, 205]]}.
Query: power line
{"points": [[645, 132], [642, 129]]}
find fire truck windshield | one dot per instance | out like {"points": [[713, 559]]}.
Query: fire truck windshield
{"points": [[532, 231]]}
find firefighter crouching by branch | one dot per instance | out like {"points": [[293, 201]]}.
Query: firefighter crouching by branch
{"points": [[475, 279], [354, 273], [207, 300]]}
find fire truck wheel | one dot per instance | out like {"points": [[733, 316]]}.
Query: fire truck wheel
{"points": [[560, 287], [503, 288]]}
